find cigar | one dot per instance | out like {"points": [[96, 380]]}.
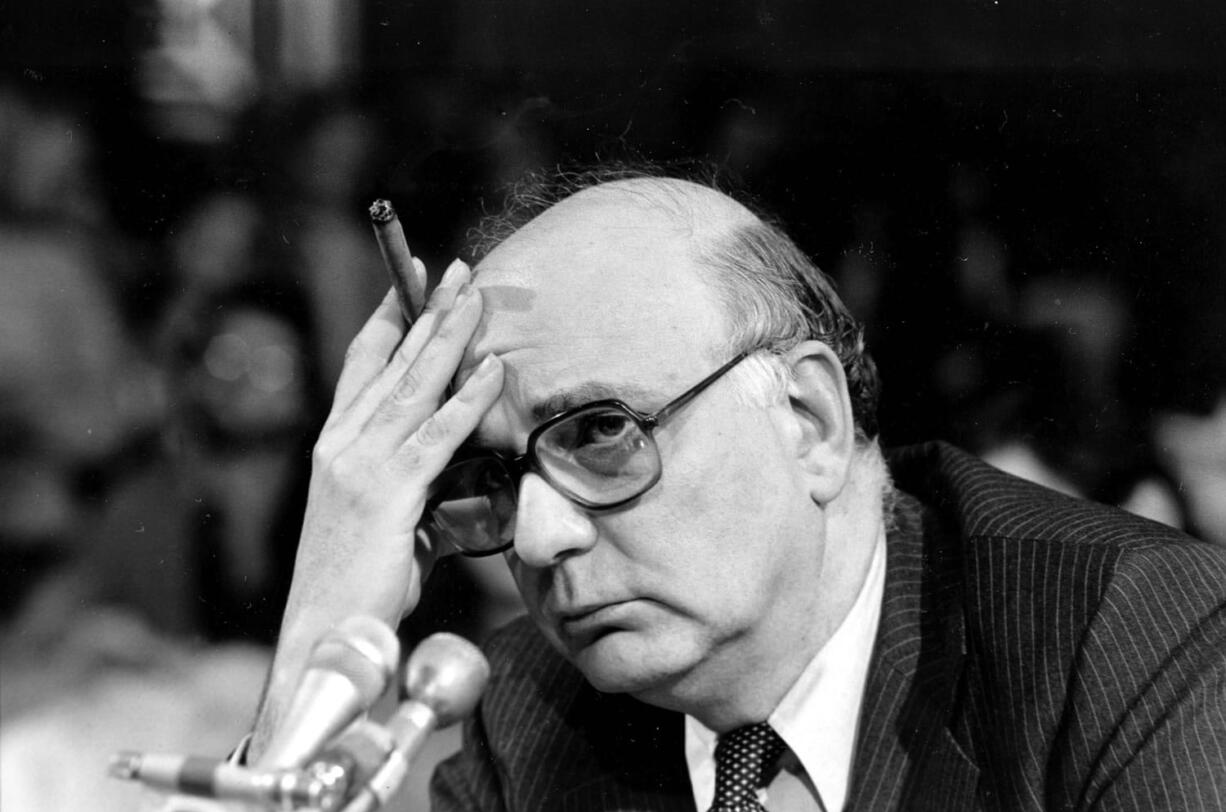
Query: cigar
{"points": [[410, 287]]}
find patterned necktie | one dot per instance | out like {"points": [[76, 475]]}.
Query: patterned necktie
{"points": [[745, 759]]}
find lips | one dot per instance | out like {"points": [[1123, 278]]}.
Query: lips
{"points": [[583, 626]]}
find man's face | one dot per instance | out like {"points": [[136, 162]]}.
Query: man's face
{"points": [[707, 574]]}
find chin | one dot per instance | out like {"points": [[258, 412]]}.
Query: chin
{"points": [[624, 662]]}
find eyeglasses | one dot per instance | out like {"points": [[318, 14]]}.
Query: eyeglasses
{"points": [[600, 455]]}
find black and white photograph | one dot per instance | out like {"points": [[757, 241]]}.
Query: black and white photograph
{"points": [[905, 325]]}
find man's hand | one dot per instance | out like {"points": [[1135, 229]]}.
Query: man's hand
{"points": [[386, 439]]}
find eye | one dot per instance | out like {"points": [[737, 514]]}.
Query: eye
{"points": [[602, 428], [608, 443]]}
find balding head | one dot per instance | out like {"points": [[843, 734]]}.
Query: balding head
{"points": [[614, 266], [702, 213], [771, 294]]}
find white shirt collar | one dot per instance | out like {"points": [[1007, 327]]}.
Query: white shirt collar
{"points": [[819, 715]]}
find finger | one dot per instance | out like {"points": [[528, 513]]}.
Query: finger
{"points": [[378, 372], [441, 301], [423, 384], [377, 387], [418, 291], [369, 351], [426, 452]]}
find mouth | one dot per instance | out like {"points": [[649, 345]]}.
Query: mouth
{"points": [[582, 627]]}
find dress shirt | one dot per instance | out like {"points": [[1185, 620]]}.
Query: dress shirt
{"points": [[818, 716]]}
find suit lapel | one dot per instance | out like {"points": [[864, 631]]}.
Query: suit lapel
{"points": [[605, 794], [636, 761], [906, 756]]}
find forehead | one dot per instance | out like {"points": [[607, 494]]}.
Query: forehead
{"points": [[604, 286]]}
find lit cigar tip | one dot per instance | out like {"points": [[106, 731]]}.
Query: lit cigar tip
{"points": [[381, 211]]}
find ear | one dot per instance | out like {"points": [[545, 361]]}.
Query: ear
{"points": [[821, 410]]}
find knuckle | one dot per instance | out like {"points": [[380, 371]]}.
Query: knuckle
{"points": [[338, 463], [448, 330], [435, 429], [408, 461], [356, 353], [342, 469], [410, 385], [323, 452], [406, 353]]}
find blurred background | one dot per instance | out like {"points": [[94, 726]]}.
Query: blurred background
{"points": [[1026, 203]]}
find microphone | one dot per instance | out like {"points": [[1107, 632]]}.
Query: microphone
{"points": [[337, 772], [345, 673], [444, 678], [318, 788], [367, 763]]}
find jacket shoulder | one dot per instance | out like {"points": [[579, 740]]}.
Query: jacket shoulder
{"points": [[1093, 638], [983, 501]]}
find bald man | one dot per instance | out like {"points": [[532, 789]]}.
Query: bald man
{"points": [[664, 418]]}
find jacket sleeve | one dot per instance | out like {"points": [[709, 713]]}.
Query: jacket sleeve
{"points": [[1150, 709]]}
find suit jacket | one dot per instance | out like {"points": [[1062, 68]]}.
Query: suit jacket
{"points": [[1034, 652]]}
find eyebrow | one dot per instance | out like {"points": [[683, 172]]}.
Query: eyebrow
{"points": [[588, 392], [570, 398]]}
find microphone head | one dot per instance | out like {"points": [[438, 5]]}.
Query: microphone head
{"points": [[361, 649], [447, 674], [345, 673]]}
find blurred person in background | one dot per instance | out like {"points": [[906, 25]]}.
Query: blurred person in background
{"points": [[93, 571], [216, 245], [46, 161], [243, 400], [324, 148], [1029, 415], [1189, 433], [1189, 429], [1193, 445], [1039, 395], [82, 672], [72, 404]]}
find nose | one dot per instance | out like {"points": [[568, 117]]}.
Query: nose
{"points": [[548, 526]]}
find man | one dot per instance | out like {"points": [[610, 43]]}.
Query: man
{"points": [[726, 546]]}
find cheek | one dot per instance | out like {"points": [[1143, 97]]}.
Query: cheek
{"points": [[720, 519], [740, 478]]}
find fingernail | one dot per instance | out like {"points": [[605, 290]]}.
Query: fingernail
{"points": [[444, 296], [454, 271], [486, 367]]}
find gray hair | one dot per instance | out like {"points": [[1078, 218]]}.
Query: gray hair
{"points": [[774, 295]]}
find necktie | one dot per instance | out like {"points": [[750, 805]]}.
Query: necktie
{"points": [[745, 759]]}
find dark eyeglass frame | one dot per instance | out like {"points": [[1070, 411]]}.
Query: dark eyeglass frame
{"points": [[528, 462]]}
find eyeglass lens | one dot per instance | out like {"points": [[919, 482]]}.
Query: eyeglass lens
{"points": [[475, 507], [599, 456]]}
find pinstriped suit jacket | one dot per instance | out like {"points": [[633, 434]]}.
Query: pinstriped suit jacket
{"points": [[1035, 652]]}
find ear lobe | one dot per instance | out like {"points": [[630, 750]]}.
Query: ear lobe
{"points": [[821, 407]]}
